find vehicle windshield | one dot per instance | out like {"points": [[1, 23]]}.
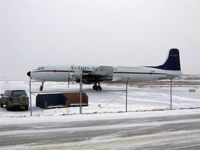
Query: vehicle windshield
{"points": [[18, 93]]}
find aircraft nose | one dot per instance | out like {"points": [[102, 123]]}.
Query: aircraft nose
{"points": [[29, 73]]}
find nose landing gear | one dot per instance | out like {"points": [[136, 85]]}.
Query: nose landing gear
{"points": [[42, 86]]}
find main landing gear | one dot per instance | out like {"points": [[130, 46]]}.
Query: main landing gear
{"points": [[42, 86], [97, 87]]}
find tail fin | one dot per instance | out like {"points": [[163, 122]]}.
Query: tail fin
{"points": [[172, 62]]}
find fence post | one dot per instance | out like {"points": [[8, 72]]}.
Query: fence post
{"points": [[126, 95], [170, 94]]}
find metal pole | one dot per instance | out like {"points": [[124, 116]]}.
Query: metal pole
{"points": [[170, 94], [127, 95], [81, 91], [30, 98]]}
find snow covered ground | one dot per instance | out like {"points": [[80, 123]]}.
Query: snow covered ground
{"points": [[103, 125], [111, 99]]}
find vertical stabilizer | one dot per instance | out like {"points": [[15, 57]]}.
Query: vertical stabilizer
{"points": [[172, 62]]}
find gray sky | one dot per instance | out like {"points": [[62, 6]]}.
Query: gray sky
{"points": [[97, 32]]}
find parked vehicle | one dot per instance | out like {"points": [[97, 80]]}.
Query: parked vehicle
{"points": [[14, 99], [46, 101]]}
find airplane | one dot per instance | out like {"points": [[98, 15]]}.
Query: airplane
{"points": [[97, 74]]}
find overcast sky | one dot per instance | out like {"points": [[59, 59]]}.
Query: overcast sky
{"points": [[97, 32]]}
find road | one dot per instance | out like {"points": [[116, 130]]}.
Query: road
{"points": [[177, 132]]}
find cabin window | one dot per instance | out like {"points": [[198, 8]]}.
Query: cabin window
{"points": [[40, 68]]}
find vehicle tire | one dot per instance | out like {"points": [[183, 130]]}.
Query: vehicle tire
{"points": [[26, 107], [7, 107], [1, 104]]}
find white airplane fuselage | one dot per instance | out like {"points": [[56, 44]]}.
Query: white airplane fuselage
{"points": [[120, 74], [96, 74]]}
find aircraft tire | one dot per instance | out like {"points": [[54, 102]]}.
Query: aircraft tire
{"points": [[98, 88], [95, 87]]}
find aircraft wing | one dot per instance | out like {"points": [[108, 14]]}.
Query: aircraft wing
{"points": [[101, 73]]}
